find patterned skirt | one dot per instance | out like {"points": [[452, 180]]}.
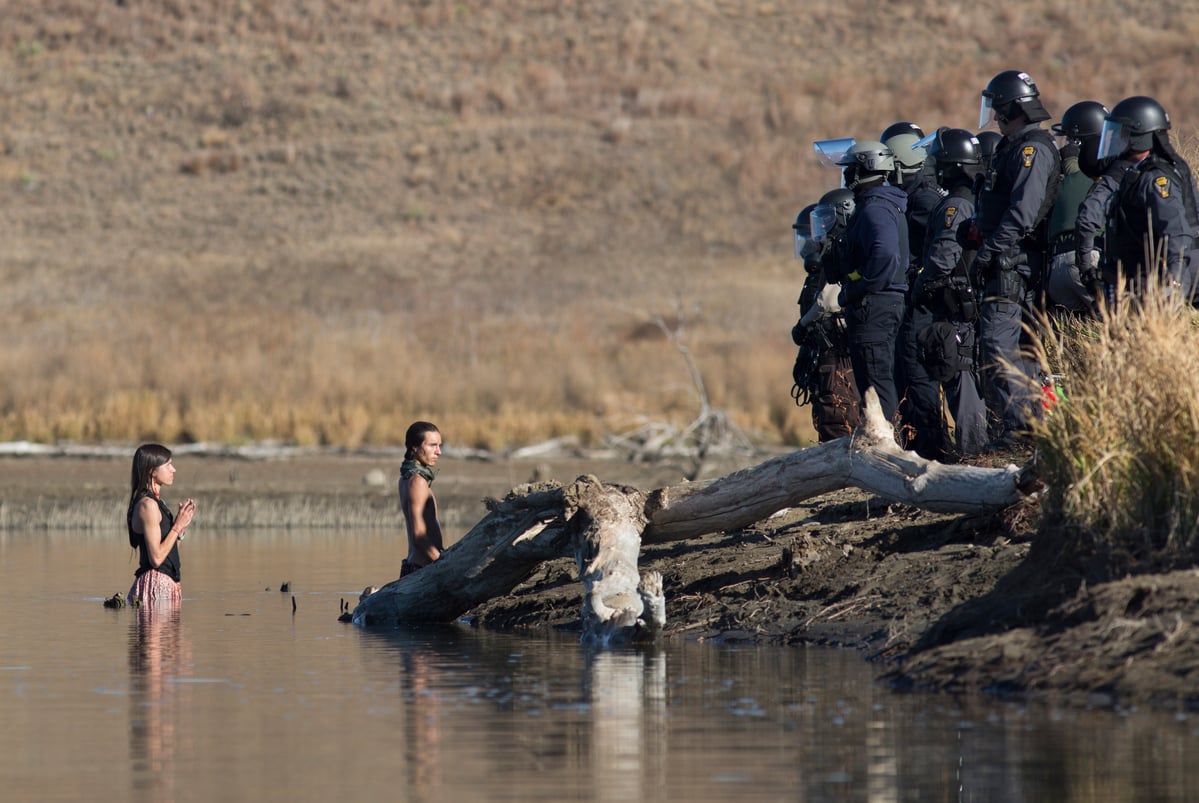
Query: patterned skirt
{"points": [[155, 590]]}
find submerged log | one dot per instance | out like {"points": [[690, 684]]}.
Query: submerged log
{"points": [[604, 525]]}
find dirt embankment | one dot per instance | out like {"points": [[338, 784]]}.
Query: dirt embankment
{"points": [[939, 601]]}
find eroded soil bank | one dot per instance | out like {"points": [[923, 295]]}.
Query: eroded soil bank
{"points": [[937, 601]]}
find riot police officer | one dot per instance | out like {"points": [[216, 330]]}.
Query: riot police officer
{"points": [[947, 343], [823, 373], [1018, 190], [921, 427], [1155, 203], [1072, 286], [871, 262], [1106, 175]]}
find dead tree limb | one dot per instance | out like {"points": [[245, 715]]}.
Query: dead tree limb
{"points": [[870, 459]]}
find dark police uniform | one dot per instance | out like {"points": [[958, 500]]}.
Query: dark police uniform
{"points": [[871, 264], [921, 425], [1017, 193], [1153, 192], [944, 288], [1092, 219]]}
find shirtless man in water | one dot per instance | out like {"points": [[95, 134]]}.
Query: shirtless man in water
{"points": [[422, 445]]}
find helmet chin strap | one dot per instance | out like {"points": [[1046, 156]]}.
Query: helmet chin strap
{"points": [[857, 178]]}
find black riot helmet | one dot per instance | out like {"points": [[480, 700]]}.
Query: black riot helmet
{"points": [[955, 152], [1083, 119], [988, 141], [1131, 125], [842, 202], [902, 127], [948, 146], [1009, 93], [831, 213], [805, 248]]}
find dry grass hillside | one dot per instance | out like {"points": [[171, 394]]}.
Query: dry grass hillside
{"points": [[316, 221]]}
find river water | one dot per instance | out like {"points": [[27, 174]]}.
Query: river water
{"points": [[250, 693]]}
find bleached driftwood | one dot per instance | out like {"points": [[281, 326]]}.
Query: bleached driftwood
{"points": [[870, 459], [604, 526], [617, 604]]}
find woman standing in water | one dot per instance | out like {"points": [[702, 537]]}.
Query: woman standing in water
{"points": [[153, 531]]}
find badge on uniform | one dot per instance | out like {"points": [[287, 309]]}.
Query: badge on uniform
{"points": [[1028, 152], [1163, 186], [950, 211]]}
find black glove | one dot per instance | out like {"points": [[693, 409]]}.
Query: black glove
{"points": [[991, 263], [799, 333], [1088, 268], [982, 267], [1069, 151], [920, 295]]}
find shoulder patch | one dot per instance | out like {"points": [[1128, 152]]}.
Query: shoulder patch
{"points": [[1027, 153], [950, 213], [1162, 185]]}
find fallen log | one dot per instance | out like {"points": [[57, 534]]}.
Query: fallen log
{"points": [[524, 529], [870, 459], [604, 525]]}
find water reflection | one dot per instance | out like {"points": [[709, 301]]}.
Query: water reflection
{"points": [[627, 693], [422, 724], [271, 704], [158, 652], [599, 718]]}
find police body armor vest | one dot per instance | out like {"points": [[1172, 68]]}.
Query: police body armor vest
{"points": [[995, 197], [1062, 219], [961, 271], [1126, 233], [954, 296]]}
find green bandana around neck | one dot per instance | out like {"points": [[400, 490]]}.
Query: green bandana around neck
{"points": [[412, 468]]}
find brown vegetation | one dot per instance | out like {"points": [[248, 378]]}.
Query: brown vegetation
{"points": [[1120, 456], [317, 221]]}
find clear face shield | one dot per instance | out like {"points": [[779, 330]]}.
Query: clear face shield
{"points": [[927, 141], [805, 245], [986, 113], [824, 219], [1114, 140], [831, 152]]}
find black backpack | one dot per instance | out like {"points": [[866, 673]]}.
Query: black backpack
{"points": [[940, 351]]}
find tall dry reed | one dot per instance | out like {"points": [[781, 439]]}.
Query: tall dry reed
{"points": [[1120, 454]]}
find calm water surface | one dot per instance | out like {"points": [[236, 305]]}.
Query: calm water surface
{"points": [[240, 698]]}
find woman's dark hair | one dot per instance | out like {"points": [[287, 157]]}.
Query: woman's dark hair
{"points": [[414, 438], [148, 457]]}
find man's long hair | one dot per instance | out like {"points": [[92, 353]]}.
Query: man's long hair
{"points": [[414, 438]]}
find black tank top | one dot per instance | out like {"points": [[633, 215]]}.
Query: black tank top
{"points": [[170, 565]]}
